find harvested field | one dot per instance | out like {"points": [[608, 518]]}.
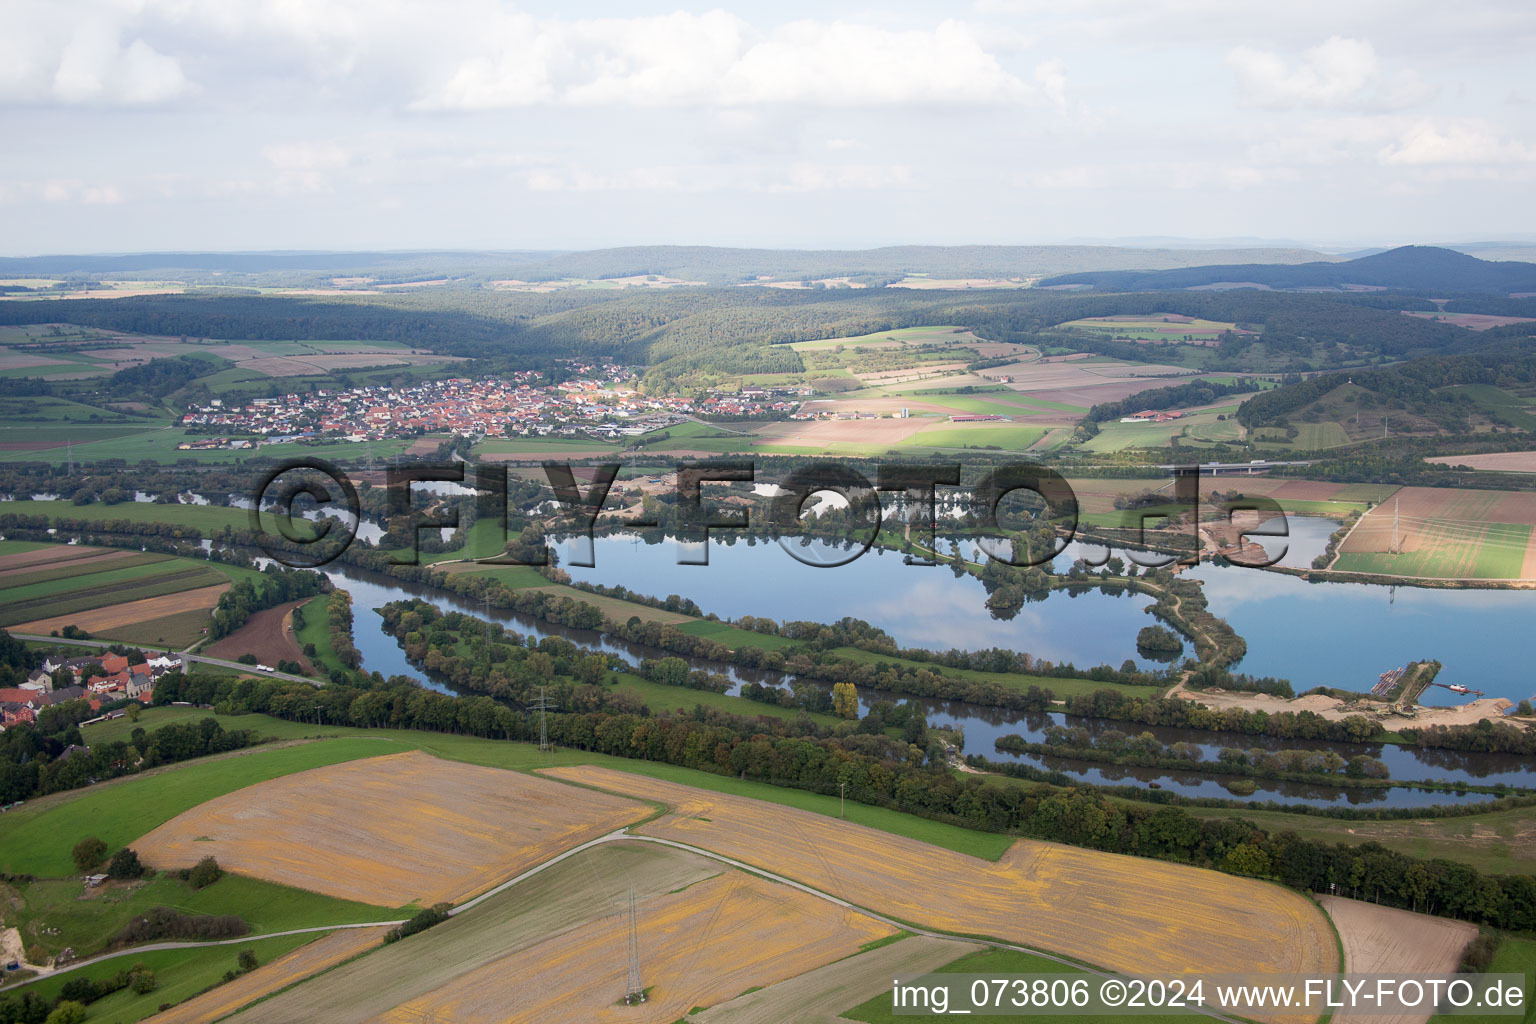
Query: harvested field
{"points": [[299, 366], [23, 576], [551, 455], [21, 360], [702, 946], [1447, 533], [266, 634], [1498, 462], [1381, 940], [178, 631], [956, 380], [1471, 321], [389, 830], [823, 432], [1124, 913], [586, 887], [111, 617], [818, 996], [929, 369], [302, 963], [52, 554]]}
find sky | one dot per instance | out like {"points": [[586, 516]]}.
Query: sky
{"points": [[148, 125]]}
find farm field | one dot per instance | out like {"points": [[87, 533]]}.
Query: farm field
{"points": [[1003, 435], [116, 596], [1099, 908], [268, 635], [51, 914], [1471, 321], [165, 619], [902, 336], [389, 831], [181, 974], [820, 994], [703, 945], [1515, 956], [586, 887], [1497, 462], [1498, 842], [197, 520], [36, 839], [1163, 327], [213, 777], [995, 962], [1446, 533], [304, 962], [58, 561], [1382, 940]]}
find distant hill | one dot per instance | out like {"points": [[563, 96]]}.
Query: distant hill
{"points": [[734, 266], [1409, 268], [710, 265]]}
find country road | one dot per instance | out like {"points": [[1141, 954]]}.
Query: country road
{"points": [[185, 657]]}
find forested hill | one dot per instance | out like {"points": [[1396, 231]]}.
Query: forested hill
{"points": [[893, 263], [1432, 395], [1416, 268]]}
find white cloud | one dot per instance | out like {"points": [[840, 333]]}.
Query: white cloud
{"points": [[306, 156], [803, 176], [1051, 77], [718, 59], [101, 194], [1337, 72], [1428, 143], [64, 190], [49, 57], [810, 177]]}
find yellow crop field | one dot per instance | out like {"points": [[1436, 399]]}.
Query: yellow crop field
{"points": [[1124, 913], [701, 946], [221, 1001], [389, 830]]}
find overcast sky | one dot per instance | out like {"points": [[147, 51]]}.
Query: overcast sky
{"points": [[133, 125]]}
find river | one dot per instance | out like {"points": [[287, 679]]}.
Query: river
{"points": [[930, 607]]}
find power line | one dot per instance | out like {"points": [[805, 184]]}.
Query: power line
{"points": [[635, 988], [543, 704]]}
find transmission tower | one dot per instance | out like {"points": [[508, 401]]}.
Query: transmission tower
{"points": [[1394, 526], [635, 990], [541, 705]]}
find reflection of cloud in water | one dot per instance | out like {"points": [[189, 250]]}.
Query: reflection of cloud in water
{"points": [[927, 615]]}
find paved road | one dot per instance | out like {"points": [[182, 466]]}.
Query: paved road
{"points": [[185, 657], [151, 947]]}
